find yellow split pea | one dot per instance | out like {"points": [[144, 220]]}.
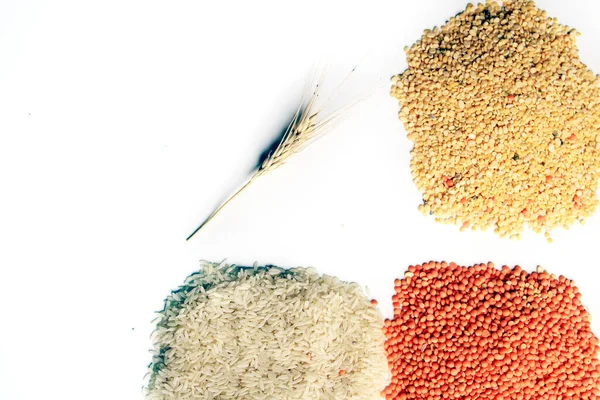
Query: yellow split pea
{"points": [[505, 121]]}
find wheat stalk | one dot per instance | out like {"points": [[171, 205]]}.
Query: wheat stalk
{"points": [[303, 130]]}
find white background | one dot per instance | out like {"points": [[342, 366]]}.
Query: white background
{"points": [[124, 123]]}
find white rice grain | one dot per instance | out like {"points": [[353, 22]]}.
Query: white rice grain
{"points": [[267, 333]]}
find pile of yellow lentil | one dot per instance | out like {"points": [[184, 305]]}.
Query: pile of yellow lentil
{"points": [[505, 121]]}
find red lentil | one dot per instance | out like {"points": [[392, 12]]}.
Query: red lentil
{"points": [[484, 333]]}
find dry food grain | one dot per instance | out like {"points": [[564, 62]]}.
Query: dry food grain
{"points": [[484, 333], [267, 333], [505, 121]]}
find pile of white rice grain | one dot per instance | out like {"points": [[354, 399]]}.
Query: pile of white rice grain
{"points": [[267, 333]]}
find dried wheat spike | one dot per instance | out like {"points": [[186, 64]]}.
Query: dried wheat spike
{"points": [[303, 130]]}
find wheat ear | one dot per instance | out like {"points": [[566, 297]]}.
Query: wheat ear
{"points": [[302, 130]]}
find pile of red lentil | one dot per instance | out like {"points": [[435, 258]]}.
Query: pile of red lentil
{"points": [[483, 333]]}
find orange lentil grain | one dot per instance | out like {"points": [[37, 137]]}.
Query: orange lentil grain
{"points": [[517, 336]]}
